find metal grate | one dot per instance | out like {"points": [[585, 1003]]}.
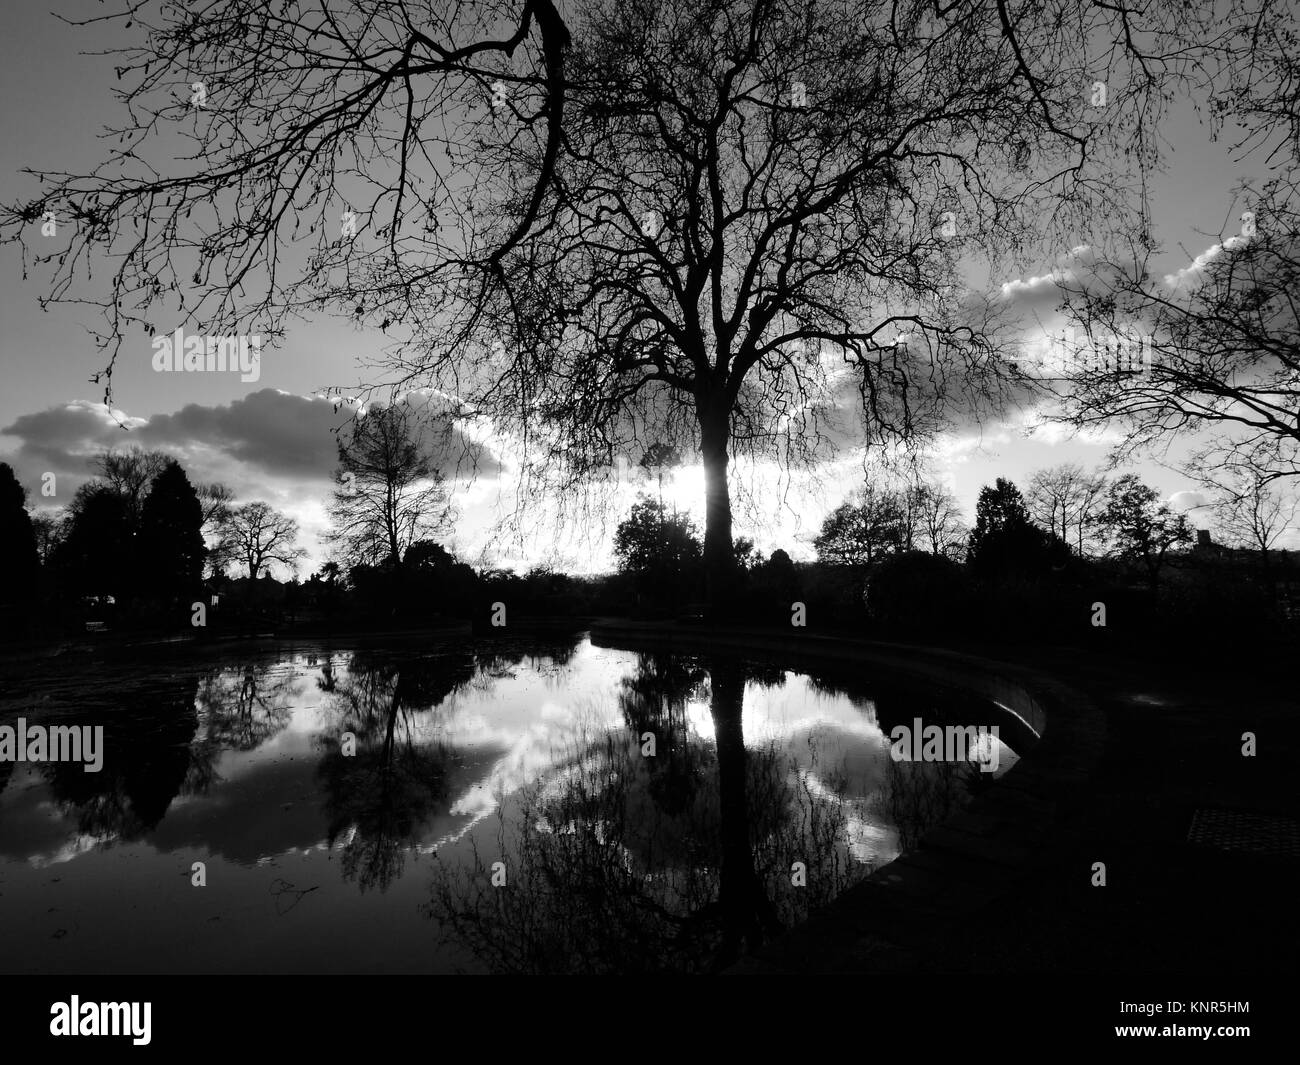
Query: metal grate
{"points": [[1236, 830]]}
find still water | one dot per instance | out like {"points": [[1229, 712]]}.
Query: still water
{"points": [[460, 806]]}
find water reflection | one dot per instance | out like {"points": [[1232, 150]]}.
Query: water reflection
{"points": [[378, 799], [133, 790], [648, 812], [620, 861]]}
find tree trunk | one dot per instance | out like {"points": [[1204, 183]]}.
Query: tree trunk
{"points": [[748, 916], [719, 551], [1153, 575], [390, 525]]}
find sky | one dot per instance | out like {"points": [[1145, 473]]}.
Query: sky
{"points": [[270, 438]]}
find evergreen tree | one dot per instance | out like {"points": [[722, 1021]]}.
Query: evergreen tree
{"points": [[1005, 542], [170, 544], [96, 557], [19, 560]]}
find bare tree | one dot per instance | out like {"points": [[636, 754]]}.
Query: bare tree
{"points": [[51, 529], [259, 536], [1252, 510], [910, 501], [1221, 343], [1048, 497], [1090, 501], [939, 519], [388, 493], [1067, 501], [699, 223], [757, 193], [216, 499], [1221, 335], [302, 101], [130, 474]]}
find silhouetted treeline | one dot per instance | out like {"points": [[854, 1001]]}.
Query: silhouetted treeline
{"points": [[1132, 572], [128, 555], [125, 550]]}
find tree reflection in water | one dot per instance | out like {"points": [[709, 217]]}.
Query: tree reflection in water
{"points": [[616, 862], [378, 800], [146, 758], [678, 862], [238, 710], [917, 796]]}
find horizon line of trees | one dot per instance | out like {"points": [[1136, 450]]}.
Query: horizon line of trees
{"points": [[899, 560], [138, 535], [141, 538], [140, 531], [1090, 514]]}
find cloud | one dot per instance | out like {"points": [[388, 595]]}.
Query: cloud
{"points": [[66, 438], [1036, 424], [1040, 295], [274, 446], [1188, 500], [268, 435], [1190, 276]]}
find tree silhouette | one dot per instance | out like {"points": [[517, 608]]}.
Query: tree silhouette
{"points": [[18, 553], [216, 500], [131, 473], [98, 543], [388, 493], [1251, 510], [171, 536], [858, 533], [650, 541], [1141, 528], [661, 551], [1005, 542], [938, 519], [259, 535], [432, 579], [1222, 344], [49, 529], [1067, 501]]}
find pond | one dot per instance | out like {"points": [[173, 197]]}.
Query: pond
{"points": [[528, 805]]}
